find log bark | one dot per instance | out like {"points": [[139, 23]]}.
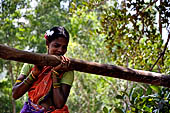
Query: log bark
{"points": [[147, 77]]}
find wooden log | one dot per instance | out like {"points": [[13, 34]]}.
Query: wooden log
{"points": [[153, 78]]}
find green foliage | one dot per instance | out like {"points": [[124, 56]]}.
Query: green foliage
{"points": [[132, 40], [143, 100]]}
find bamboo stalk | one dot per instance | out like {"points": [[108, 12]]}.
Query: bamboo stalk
{"points": [[153, 78]]}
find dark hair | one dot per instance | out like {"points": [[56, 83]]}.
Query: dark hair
{"points": [[57, 32]]}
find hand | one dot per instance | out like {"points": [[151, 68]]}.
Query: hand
{"points": [[64, 66], [37, 70]]}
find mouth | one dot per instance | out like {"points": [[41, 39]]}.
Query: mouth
{"points": [[58, 54]]}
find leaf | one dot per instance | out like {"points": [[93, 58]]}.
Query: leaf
{"points": [[149, 91], [105, 110], [155, 88], [119, 97], [118, 110]]}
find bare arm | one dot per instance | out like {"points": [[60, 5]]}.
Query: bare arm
{"points": [[60, 94], [20, 88], [60, 91]]}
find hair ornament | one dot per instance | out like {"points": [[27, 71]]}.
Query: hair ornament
{"points": [[49, 33], [45, 36]]}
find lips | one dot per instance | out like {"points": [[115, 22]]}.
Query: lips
{"points": [[58, 54]]}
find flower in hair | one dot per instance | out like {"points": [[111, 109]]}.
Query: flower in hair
{"points": [[49, 33]]}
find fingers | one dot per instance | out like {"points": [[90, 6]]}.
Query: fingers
{"points": [[65, 61], [64, 64]]}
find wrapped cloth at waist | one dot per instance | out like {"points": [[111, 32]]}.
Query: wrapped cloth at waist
{"points": [[30, 107]]}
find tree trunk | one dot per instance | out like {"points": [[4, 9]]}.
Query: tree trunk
{"points": [[87, 67], [160, 19], [12, 82]]}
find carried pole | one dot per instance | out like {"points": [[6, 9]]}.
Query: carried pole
{"points": [[147, 77]]}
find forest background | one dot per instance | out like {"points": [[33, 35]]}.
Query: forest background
{"points": [[128, 33]]}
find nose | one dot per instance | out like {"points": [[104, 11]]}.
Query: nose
{"points": [[60, 49]]}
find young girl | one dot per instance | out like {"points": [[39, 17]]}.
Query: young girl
{"points": [[48, 87]]}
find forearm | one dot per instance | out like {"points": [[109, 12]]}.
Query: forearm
{"points": [[60, 91], [19, 89], [59, 98]]}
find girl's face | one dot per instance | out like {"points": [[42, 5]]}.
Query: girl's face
{"points": [[58, 46]]}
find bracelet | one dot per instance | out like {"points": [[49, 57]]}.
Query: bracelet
{"points": [[56, 85], [18, 81], [55, 76], [30, 77], [26, 82], [55, 72], [33, 76]]}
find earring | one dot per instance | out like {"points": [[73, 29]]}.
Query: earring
{"points": [[47, 47]]}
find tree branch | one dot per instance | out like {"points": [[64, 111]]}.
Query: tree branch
{"points": [[162, 54], [87, 67], [141, 12]]}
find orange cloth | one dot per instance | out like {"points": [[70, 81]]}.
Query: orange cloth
{"points": [[41, 87]]}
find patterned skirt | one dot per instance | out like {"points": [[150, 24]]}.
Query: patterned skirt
{"points": [[30, 107]]}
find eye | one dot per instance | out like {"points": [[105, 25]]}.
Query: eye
{"points": [[56, 45]]}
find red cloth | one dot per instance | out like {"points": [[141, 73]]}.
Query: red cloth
{"points": [[41, 87], [63, 110]]}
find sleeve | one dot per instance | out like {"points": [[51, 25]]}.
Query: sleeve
{"points": [[68, 78], [26, 68]]}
